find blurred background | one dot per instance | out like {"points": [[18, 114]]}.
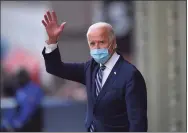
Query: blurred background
{"points": [[150, 34]]}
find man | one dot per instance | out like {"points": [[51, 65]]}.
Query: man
{"points": [[116, 90], [27, 117]]}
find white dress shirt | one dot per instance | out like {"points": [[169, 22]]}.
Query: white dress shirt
{"points": [[109, 65]]}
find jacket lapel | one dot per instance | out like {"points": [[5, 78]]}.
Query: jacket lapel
{"points": [[110, 80], [94, 72]]}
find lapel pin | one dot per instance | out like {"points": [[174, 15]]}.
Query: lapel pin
{"points": [[115, 73]]}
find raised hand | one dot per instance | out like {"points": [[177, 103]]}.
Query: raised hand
{"points": [[53, 29]]}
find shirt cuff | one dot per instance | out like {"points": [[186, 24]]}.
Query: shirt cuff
{"points": [[50, 48]]}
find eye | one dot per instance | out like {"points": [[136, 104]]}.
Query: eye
{"points": [[101, 42], [92, 43]]}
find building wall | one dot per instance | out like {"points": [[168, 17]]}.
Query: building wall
{"points": [[160, 55]]}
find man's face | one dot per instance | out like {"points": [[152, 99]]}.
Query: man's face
{"points": [[99, 38]]}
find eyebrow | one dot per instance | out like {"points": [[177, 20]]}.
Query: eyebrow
{"points": [[98, 41]]}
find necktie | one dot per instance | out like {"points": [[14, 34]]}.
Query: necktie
{"points": [[98, 82], [98, 79]]}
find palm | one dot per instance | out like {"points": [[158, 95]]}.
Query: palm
{"points": [[53, 29]]}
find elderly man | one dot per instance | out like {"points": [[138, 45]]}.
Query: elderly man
{"points": [[116, 90]]}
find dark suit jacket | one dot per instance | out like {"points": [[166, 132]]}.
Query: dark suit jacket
{"points": [[121, 105]]}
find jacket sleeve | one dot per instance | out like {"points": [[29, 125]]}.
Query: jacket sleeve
{"points": [[136, 103], [69, 71]]}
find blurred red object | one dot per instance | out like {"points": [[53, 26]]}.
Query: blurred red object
{"points": [[20, 58]]}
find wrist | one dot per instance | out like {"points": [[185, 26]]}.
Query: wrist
{"points": [[51, 41]]}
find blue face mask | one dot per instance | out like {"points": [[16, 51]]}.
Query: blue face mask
{"points": [[100, 55]]}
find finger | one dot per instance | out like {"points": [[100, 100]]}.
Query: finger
{"points": [[62, 25], [46, 18], [49, 16], [54, 17], [43, 22]]}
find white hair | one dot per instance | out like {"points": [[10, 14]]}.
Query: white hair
{"points": [[106, 25]]}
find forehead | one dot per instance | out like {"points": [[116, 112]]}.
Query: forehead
{"points": [[98, 33]]}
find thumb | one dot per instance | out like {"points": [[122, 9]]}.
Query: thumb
{"points": [[62, 25]]}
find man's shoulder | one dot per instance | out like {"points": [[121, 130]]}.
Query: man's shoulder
{"points": [[129, 68], [128, 65], [90, 62]]}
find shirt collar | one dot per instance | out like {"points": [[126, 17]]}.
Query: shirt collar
{"points": [[112, 61]]}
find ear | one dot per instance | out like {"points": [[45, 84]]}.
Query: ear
{"points": [[114, 44]]}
